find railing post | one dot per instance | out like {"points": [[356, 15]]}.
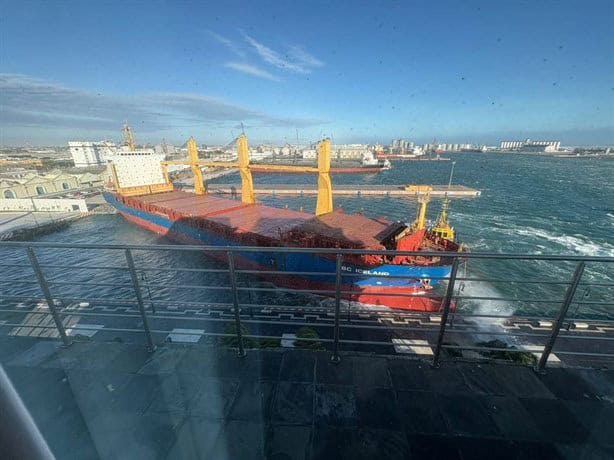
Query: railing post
{"points": [[336, 358], [151, 304], [139, 298], [235, 301], [50, 302], [446, 311], [569, 294]]}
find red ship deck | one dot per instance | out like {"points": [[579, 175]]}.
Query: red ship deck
{"points": [[337, 228], [353, 230], [157, 197], [261, 220]]}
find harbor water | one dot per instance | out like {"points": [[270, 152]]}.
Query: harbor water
{"points": [[529, 204]]}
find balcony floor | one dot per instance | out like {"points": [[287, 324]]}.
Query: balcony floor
{"points": [[114, 400]]}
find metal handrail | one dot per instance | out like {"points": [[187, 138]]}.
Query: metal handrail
{"points": [[291, 249], [241, 312], [288, 273]]}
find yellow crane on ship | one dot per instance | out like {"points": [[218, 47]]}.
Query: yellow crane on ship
{"points": [[324, 203], [128, 137], [442, 228]]}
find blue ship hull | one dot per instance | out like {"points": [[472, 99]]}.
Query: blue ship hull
{"points": [[380, 281]]}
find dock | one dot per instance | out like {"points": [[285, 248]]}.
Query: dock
{"points": [[454, 191], [25, 225]]}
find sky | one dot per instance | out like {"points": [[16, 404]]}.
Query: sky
{"points": [[354, 71]]}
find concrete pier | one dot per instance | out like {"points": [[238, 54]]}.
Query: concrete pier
{"points": [[457, 191], [24, 225]]}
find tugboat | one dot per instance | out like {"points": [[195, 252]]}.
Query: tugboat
{"points": [[369, 160]]}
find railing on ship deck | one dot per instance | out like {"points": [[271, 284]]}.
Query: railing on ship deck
{"points": [[437, 333]]}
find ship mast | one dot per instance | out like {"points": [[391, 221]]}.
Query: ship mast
{"points": [[324, 203], [423, 201], [442, 228], [199, 186], [247, 184], [423, 193], [128, 138]]}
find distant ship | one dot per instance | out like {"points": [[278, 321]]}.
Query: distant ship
{"points": [[396, 281], [368, 164], [481, 149]]}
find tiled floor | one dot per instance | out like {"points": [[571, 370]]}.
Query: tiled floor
{"points": [[113, 400]]}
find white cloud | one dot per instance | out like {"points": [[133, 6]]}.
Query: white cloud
{"points": [[231, 45], [251, 70], [297, 60], [33, 104], [302, 56]]}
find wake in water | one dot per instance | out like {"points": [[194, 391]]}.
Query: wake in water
{"points": [[482, 306], [577, 243]]}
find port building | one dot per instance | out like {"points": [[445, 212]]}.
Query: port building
{"points": [[32, 184], [529, 145], [340, 152], [401, 146], [86, 154]]}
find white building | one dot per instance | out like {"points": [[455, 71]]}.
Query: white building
{"points": [[401, 146], [531, 146], [85, 154], [260, 154], [548, 146], [539, 148], [512, 145], [348, 151], [226, 155], [309, 154], [166, 149]]}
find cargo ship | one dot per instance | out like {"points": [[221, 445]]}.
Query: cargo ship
{"points": [[369, 164], [198, 218]]}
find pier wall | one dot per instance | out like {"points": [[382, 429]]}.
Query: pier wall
{"points": [[354, 190], [43, 204]]}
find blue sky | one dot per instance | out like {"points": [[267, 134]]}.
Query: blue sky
{"points": [[458, 71]]}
